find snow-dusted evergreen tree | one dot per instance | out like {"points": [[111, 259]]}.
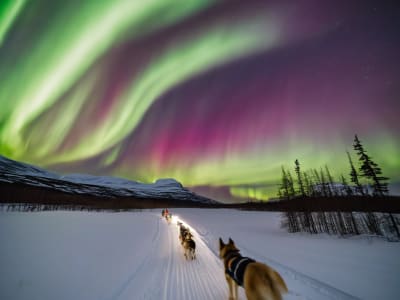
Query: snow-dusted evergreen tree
{"points": [[370, 170], [354, 176], [299, 179]]}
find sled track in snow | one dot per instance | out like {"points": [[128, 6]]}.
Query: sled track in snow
{"points": [[201, 278], [171, 276]]}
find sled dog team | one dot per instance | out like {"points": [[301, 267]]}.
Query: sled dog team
{"points": [[187, 242], [259, 281]]}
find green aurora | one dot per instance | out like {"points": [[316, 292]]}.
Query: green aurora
{"points": [[215, 94]]}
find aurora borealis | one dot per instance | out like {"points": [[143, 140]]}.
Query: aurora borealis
{"points": [[217, 94]]}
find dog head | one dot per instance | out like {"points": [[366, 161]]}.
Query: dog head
{"points": [[226, 248]]}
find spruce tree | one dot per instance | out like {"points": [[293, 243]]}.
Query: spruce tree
{"points": [[370, 170], [354, 176], [299, 179], [292, 191]]}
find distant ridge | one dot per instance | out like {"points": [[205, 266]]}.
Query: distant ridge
{"points": [[14, 172]]}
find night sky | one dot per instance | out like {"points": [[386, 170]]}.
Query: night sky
{"points": [[217, 94]]}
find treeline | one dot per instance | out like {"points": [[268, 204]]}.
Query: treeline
{"points": [[366, 181], [343, 223]]}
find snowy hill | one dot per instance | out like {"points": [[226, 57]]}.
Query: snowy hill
{"points": [[104, 186]]}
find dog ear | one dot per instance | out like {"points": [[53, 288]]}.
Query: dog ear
{"points": [[221, 243], [231, 241]]}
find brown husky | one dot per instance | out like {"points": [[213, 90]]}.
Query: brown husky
{"points": [[258, 280], [189, 246]]}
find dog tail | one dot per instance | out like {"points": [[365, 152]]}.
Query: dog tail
{"points": [[278, 284]]}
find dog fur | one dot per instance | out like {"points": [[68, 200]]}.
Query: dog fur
{"points": [[260, 281], [182, 232], [189, 245]]}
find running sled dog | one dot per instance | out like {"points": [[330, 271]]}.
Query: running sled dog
{"points": [[259, 281], [189, 245]]}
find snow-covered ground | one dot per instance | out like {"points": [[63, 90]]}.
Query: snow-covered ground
{"points": [[137, 255]]}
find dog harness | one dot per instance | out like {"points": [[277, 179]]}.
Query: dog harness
{"points": [[236, 268]]}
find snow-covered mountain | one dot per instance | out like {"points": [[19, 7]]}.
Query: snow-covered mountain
{"points": [[16, 172]]}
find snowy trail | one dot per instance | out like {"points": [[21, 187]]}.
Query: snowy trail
{"points": [[165, 274], [191, 279]]}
